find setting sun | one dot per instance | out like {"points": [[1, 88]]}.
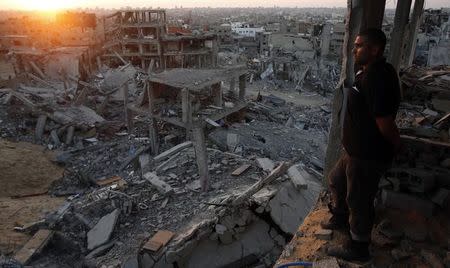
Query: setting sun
{"points": [[45, 5]]}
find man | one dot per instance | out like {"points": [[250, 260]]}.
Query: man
{"points": [[370, 141]]}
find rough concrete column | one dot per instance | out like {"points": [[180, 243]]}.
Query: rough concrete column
{"points": [[413, 27], [152, 127], [398, 33], [352, 27], [242, 87], [373, 14], [201, 156]]}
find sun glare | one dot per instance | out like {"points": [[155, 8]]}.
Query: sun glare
{"points": [[45, 5]]}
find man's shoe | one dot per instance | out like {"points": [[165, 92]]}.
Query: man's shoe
{"points": [[355, 251], [335, 223]]}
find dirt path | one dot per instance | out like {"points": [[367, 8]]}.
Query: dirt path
{"points": [[25, 169]]}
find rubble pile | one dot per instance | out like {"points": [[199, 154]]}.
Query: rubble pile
{"points": [[125, 204]]}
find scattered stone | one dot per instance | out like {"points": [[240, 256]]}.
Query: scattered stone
{"points": [[102, 231], [159, 184], [266, 164], [297, 177], [220, 229], [324, 234]]}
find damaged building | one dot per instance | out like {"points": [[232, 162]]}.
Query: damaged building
{"points": [[141, 36]]}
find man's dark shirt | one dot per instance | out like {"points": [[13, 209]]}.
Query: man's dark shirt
{"points": [[376, 94]]}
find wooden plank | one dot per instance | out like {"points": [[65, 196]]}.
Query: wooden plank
{"points": [[442, 120], [159, 240], [277, 172], [241, 170], [107, 181], [34, 246], [427, 141]]}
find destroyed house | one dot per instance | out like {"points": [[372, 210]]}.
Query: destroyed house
{"points": [[142, 37]]}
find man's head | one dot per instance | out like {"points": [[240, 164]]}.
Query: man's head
{"points": [[369, 45]]}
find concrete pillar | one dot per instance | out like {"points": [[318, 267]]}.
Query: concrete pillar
{"points": [[152, 128], [201, 156], [412, 29], [242, 81], [339, 105], [217, 93], [398, 33], [373, 14]]}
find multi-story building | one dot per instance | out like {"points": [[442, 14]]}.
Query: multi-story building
{"points": [[141, 37]]}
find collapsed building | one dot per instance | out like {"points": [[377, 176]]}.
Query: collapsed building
{"points": [[141, 37]]}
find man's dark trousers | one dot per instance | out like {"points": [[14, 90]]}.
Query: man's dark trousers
{"points": [[353, 184]]}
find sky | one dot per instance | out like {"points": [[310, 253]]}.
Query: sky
{"points": [[61, 4]]}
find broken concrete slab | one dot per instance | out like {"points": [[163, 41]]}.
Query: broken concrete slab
{"points": [[34, 246], [212, 253], [162, 156], [289, 207], [266, 164], [159, 184], [159, 240], [298, 177], [79, 115], [102, 231], [101, 250]]}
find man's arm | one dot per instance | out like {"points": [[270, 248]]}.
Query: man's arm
{"points": [[389, 130]]}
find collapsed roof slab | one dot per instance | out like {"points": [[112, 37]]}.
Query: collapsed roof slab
{"points": [[196, 79]]}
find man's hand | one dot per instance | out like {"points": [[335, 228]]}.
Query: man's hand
{"points": [[389, 130]]}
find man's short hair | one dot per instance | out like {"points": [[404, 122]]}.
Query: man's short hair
{"points": [[375, 37]]}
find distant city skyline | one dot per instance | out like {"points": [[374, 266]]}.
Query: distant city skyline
{"points": [[68, 4]]}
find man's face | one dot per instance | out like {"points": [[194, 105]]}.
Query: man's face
{"points": [[362, 51]]}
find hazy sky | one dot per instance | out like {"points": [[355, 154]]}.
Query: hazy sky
{"points": [[52, 4]]}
